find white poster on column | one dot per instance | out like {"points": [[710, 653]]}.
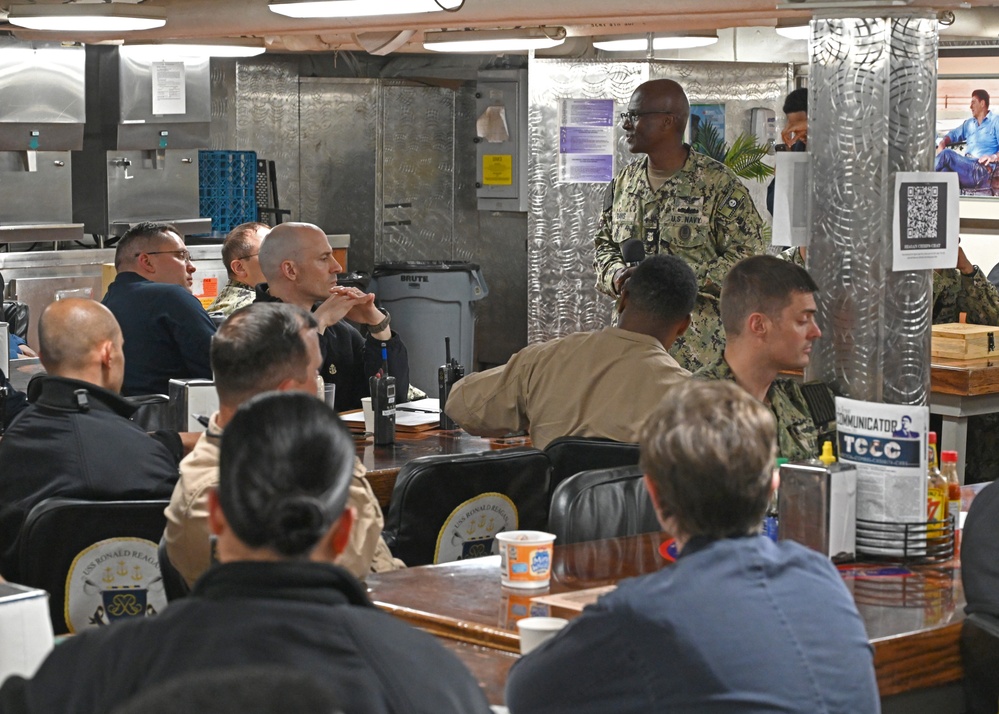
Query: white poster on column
{"points": [[791, 180], [926, 224], [169, 88]]}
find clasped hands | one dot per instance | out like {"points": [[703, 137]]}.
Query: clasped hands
{"points": [[350, 303]]}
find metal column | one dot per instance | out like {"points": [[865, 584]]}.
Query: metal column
{"points": [[871, 114]]}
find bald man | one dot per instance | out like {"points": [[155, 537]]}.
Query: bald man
{"points": [[298, 263], [74, 439], [167, 331], [679, 202]]}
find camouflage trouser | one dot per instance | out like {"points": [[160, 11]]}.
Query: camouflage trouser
{"points": [[704, 341]]}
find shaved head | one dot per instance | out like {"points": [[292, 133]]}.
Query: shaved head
{"points": [[665, 95], [287, 241], [71, 332], [298, 262]]}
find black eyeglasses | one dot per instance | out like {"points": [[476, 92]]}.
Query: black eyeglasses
{"points": [[633, 116], [184, 255]]}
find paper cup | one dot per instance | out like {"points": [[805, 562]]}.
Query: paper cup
{"points": [[525, 558], [329, 395], [369, 415], [536, 630]]}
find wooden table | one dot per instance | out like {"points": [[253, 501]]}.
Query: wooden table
{"points": [[960, 389], [383, 462], [913, 623]]}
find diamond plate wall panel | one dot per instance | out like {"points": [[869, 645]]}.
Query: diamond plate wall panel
{"points": [[563, 218], [868, 118], [417, 192], [222, 76], [267, 120], [339, 166]]}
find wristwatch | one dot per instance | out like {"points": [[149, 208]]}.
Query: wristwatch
{"points": [[974, 269], [386, 321]]}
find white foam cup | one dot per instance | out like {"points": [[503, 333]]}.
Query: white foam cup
{"points": [[536, 630]]}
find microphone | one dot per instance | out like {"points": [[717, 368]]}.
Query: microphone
{"points": [[633, 252]]}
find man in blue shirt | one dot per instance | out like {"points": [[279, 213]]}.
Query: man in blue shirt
{"points": [[167, 331], [739, 623], [980, 135]]}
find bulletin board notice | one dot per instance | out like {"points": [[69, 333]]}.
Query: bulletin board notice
{"points": [[586, 140]]}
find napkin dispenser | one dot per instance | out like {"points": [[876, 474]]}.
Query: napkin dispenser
{"points": [[25, 629], [817, 505]]}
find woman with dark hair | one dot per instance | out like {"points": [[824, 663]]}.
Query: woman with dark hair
{"points": [[275, 598]]}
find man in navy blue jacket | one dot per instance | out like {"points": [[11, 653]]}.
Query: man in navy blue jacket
{"points": [[733, 625], [167, 332], [298, 263]]}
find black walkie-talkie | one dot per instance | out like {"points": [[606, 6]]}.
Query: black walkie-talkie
{"points": [[382, 389], [447, 374]]}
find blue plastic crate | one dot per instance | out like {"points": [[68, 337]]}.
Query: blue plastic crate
{"points": [[227, 187]]}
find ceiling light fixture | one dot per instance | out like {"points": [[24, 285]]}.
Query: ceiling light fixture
{"points": [[361, 8], [166, 49], [87, 17], [661, 42], [518, 39], [794, 30]]}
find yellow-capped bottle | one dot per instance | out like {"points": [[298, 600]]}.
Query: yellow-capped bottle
{"points": [[827, 457], [936, 493]]}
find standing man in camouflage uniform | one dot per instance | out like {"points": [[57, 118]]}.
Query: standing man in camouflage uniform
{"points": [[768, 309], [679, 202]]}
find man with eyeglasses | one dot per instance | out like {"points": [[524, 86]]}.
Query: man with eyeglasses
{"points": [[676, 201], [240, 251], [167, 332]]}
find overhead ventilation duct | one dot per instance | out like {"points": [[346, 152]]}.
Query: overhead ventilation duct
{"points": [[383, 43]]}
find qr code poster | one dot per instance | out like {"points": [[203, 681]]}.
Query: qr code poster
{"points": [[926, 222]]}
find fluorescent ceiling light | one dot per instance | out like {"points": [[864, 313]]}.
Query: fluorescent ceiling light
{"points": [[361, 8], [88, 17], [154, 51], [520, 39], [795, 32], [665, 42]]}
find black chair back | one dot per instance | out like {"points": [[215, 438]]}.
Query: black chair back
{"points": [[97, 560], [571, 454], [980, 658], [153, 412], [174, 584], [603, 503], [16, 314], [450, 507]]}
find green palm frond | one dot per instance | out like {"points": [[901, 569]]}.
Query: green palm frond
{"points": [[709, 141], [745, 158]]}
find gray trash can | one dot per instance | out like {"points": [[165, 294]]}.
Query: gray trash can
{"points": [[431, 300]]}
